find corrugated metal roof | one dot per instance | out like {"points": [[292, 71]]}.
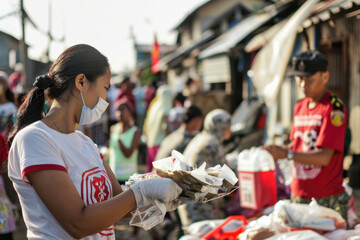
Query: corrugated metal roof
{"points": [[323, 11], [184, 50], [240, 31], [230, 38]]}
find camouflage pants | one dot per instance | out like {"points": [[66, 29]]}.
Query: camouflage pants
{"points": [[338, 202]]}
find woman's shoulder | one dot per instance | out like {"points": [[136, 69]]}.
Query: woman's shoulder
{"points": [[35, 133], [135, 128], [34, 128]]}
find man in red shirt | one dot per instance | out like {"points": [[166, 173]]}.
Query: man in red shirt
{"points": [[317, 135]]}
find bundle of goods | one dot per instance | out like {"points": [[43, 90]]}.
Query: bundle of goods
{"points": [[198, 185], [296, 221]]}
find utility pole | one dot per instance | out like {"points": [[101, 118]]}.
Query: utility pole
{"points": [[23, 50]]}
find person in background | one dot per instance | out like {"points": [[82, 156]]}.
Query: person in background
{"points": [[176, 114], [8, 225], [156, 123], [111, 98], [59, 171], [150, 92], [7, 105], [207, 148], [317, 135], [179, 139], [140, 102], [126, 90], [124, 142], [193, 87], [15, 79]]}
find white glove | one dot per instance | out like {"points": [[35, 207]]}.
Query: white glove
{"points": [[164, 190]]}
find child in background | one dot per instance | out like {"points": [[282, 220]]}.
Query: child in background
{"points": [[124, 141], [7, 223], [176, 114]]}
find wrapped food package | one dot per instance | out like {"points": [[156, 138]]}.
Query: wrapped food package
{"points": [[198, 184]]}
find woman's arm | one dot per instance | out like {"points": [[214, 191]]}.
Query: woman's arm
{"points": [[134, 145], [60, 196]]}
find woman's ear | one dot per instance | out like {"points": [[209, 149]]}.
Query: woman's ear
{"points": [[80, 82]]}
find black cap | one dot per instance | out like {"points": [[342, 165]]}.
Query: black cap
{"points": [[308, 63]]}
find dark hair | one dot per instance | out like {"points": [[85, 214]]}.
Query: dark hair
{"points": [[20, 98], [9, 95], [191, 113], [78, 59], [189, 81], [180, 97]]}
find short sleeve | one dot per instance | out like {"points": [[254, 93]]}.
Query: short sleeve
{"points": [[332, 130], [36, 151]]}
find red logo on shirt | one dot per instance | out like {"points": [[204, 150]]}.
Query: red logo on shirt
{"points": [[96, 187], [101, 192]]}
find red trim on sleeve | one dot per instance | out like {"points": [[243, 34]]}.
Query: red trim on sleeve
{"points": [[101, 156], [40, 167]]}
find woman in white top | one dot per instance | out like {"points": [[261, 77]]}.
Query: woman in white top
{"points": [[7, 105], [66, 190]]}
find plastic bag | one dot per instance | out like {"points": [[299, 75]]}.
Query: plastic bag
{"points": [[314, 216], [352, 216], [342, 234], [201, 228], [189, 237], [149, 216], [299, 235]]}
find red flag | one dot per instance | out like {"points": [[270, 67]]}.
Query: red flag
{"points": [[155, 56]]}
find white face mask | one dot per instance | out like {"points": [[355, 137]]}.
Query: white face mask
{"points": [[88, 115]]}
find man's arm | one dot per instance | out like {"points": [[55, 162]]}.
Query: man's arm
{"points": [[319, 157]]}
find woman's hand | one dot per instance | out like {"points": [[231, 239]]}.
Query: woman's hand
{"points": [[163, 189]]}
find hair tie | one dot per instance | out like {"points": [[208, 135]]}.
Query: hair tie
{"points": [[42, 82]]}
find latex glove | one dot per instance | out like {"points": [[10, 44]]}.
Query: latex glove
{"points": [[172, 205], [164, 190]]}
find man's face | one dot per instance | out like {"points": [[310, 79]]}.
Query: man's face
{"points": [[313, 86]]}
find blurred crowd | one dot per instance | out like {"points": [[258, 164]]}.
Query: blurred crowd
{"points": [[142, 124]]}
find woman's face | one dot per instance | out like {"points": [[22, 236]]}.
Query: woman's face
{"points": [[93, 91], [122, 114]]}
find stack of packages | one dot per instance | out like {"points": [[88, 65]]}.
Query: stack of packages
{"points": [[198, 185]]}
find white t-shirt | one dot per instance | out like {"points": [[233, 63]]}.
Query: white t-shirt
{"points": [[38, 147]]}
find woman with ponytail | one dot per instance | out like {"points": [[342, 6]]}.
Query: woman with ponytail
{"points": [[57, 171]]}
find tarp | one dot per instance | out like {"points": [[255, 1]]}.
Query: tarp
{"points": [[270, 64]]}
